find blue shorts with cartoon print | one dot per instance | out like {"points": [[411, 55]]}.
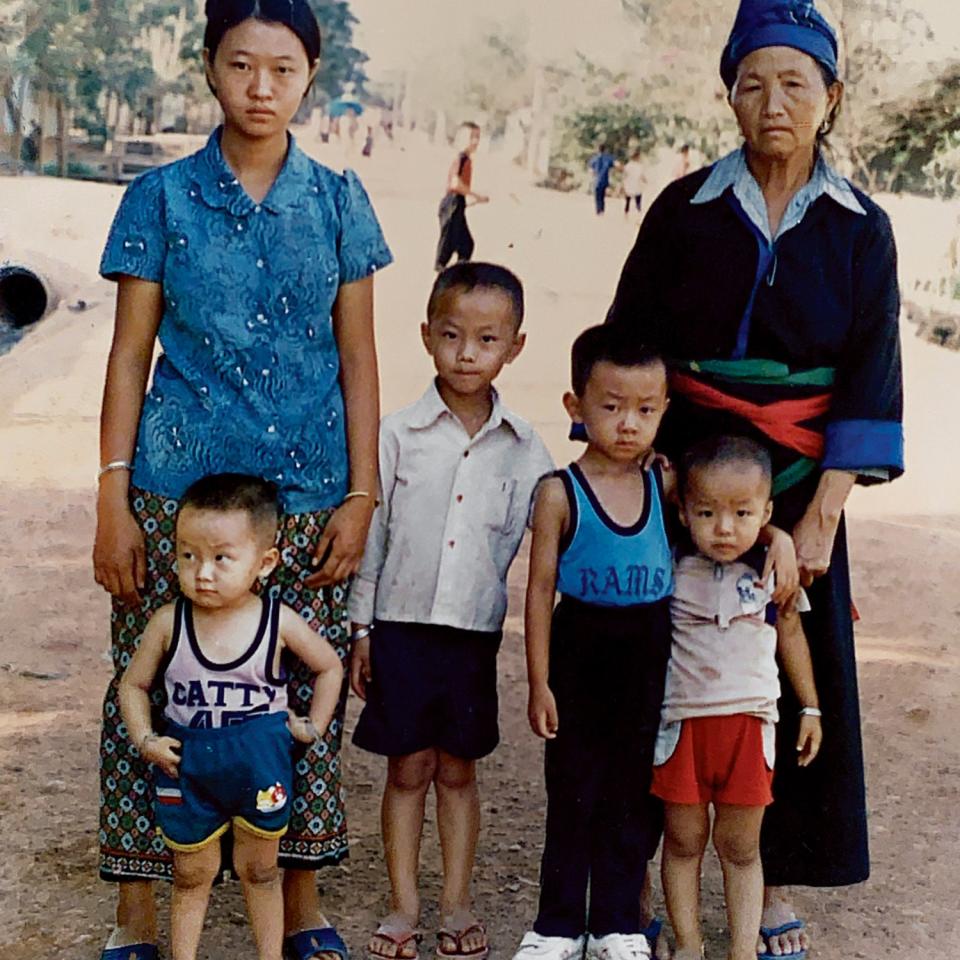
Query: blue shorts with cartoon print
{"points": [[240, 775]]}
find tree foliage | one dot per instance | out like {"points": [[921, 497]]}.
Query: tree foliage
{"points": [[91, 56], [915, 143]]}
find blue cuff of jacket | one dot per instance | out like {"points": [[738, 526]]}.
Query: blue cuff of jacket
{"points": [[863, 444]]}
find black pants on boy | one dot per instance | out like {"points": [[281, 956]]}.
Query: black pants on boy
{"points": [[455, 236], [607, 670]]}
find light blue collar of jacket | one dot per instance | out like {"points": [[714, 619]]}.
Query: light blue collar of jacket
{"points": [[732, 171]]}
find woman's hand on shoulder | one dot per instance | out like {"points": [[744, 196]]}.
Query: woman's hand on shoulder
{"points": [[119, 552], [341, 544], [781, 561]]}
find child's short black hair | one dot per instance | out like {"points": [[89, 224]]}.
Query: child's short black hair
{"points": [[720, 450], [223, 492], [610, 342], [473, 274], [296, 15]]}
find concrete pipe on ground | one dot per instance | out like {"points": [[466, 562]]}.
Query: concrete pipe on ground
{"points": [[26, 295]]}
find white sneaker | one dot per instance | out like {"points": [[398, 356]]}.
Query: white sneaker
{"points": [[533, 946], [618, 946]]}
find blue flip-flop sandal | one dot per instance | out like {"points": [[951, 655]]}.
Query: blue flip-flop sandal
{"points": [[652, 933], [133, 951], [310, 943], [768, 932]]}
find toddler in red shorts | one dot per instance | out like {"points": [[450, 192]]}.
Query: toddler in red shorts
{"points": [[716, 738]]}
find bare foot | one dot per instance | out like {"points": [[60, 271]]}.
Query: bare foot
{"points": [[777, 911], [396, 938]]}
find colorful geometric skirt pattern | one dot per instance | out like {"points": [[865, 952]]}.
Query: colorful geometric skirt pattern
{"points": [[130, 846]]}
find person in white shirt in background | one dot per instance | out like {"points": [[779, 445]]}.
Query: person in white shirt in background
{"points": [[634, 183], [457, 472]]}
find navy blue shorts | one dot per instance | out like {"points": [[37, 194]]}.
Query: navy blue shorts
{"points": [[242, 774], [432, 687]]}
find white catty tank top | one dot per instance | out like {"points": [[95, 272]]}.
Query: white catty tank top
{"points": [[203, 694]]}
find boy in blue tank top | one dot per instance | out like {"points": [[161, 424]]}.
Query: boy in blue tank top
{"points": [[224, 757], [596, 663]]}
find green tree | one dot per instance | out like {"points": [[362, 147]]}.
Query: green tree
{"points": [[340, 62], [914, 143]]}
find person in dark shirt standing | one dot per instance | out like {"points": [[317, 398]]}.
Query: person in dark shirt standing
{"points": [[455, 236], [600, 164]]}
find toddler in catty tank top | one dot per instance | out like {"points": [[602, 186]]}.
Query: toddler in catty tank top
{"points": [[224, 758]]}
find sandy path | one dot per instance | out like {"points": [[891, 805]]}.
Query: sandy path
{"points": [[906, 541]]}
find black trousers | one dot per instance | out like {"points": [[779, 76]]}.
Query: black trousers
{"points": [[607, 670], [455, 236]]}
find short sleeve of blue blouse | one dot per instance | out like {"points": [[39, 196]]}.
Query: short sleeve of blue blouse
{"points": [[248, 378], [136, 245]]}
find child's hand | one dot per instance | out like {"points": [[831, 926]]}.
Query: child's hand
{"points": [[782, 562], [542, 712], [303, 729], [808, 741], [360, 674], [341, 544], [162, 752]]}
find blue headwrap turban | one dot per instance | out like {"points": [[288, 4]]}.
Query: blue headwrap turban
{"points": [[778, 23]]}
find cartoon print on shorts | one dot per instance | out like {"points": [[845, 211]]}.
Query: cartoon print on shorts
{"points": [[272, 798]]}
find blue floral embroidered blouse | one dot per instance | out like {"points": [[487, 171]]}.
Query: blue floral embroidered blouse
{"points": [[248, 380]]}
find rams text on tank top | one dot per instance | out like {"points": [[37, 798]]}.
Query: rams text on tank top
{"points": [[607, 564], [204, 694]]}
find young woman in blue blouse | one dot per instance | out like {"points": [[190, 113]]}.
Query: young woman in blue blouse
{"points": [[252, 265]]}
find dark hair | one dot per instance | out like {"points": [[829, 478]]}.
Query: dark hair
{"points": [[829, 79], [296, 15], [223, 492], [472, 274], [612, 343], [721, 450]]}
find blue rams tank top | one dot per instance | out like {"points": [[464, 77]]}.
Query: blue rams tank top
{"points": [[609, 565], [204, 694]]}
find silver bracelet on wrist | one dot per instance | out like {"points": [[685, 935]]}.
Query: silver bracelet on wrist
{"points": [[810, 712], [114, 465], [361, 632]]}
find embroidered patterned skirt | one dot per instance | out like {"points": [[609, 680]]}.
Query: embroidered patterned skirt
{"points": [[130, 846]]}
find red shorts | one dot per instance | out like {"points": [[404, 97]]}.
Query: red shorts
{"points": [[717, 760]]}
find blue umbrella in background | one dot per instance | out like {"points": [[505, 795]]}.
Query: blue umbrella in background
{"points": [[341, 105]]}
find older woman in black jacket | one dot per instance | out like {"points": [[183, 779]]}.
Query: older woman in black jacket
{"points": [[771, 284]]}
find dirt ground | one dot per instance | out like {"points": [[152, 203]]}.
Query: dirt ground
{"points": [[53, 669]]}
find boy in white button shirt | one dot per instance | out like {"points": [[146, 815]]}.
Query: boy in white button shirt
{"points": [[457, 471]]}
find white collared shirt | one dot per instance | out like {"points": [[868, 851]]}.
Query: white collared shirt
{"points": [[452, 513]]}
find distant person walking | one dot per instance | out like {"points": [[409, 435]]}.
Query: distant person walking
{"points": [[455, 236], [600, 164], [634, 182]]}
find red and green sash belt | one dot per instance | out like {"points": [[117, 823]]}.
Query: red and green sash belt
{"points": [[783, 420]]}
